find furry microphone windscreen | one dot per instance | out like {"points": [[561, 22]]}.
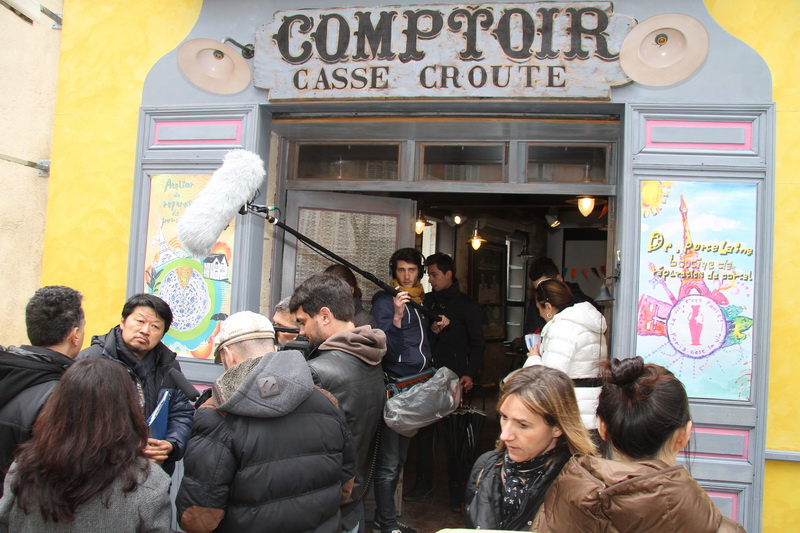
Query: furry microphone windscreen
{"points": [[231, 186]]}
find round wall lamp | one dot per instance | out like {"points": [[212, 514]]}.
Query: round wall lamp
{"points": [[213, 66], [664, 49]]}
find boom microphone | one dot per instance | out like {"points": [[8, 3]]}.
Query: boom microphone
{"points": [[183, 384], [231, 186]]}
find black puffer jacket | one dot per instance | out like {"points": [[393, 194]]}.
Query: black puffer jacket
{"points": [[348, 365], [269, 452], [460, 345], [181, 410], [28, 375]]}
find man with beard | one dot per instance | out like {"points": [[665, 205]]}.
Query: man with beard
{"points": [[346, 361]]}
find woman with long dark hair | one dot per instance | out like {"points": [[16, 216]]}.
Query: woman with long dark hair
{"points": [[540, 430], [643, 415], [84, 469], [573, 341]]}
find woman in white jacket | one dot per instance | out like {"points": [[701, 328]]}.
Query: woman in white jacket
{"points": [[573, 341]]}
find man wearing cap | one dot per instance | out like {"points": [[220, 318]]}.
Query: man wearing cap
{"points": [[345, 361], [136, 344], [269, 450]]}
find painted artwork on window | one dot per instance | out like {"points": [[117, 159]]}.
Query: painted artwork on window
{"points": [[198, 290], [697, 263]]}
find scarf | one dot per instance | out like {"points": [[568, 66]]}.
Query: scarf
{"points": [[416, 292], [525, 485]]}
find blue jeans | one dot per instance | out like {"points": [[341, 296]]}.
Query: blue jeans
{"points": [[392, 451]]}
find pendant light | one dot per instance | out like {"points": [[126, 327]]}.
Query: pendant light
{"points": [[476, 240]]}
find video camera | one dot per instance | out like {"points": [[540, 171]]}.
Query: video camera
{"points": [[300, 343]]}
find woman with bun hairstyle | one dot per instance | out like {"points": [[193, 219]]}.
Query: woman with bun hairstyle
{"points": [[540, 430], [643, 415], [84, 470], [573, 341]]}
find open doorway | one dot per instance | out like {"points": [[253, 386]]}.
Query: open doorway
{"points": [[366, 227]]}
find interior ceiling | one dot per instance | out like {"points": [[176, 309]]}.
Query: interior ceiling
{"points": [[524, 208]]}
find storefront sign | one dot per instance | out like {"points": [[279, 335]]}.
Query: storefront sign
{"points": [[696, 280], [536, 50]]}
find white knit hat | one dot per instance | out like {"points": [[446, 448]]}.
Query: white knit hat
{"points": [[242, 326]]}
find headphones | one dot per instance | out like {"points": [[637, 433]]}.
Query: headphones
{"points": [[413, 254]]}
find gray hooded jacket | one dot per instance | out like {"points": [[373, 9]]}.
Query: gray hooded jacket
{"points": [[267, 448]]}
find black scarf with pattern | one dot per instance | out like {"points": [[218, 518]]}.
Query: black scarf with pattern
{"points": [[525, 484]]}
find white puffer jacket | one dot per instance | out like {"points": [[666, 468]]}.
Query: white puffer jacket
{"points": [[573, 341]]}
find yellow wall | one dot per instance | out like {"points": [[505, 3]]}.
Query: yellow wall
{"points": [[763, 25], [107, 49]]}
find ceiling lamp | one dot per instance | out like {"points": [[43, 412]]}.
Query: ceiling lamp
{"points": [[586, 205], [421, 222], [476, 240]]}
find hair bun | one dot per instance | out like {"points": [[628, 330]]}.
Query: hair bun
{"points": [[626, 371]]}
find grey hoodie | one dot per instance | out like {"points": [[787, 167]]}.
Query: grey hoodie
{"points": [[265, 387]]}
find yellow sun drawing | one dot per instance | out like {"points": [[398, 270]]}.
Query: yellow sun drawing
{"points": [[654, 196]]}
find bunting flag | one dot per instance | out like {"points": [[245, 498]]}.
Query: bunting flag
{"points": [[574, 272], [603, 270], [596, 272], [603, 212], [564, 272], [585, 274]]}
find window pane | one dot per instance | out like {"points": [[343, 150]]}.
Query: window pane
{"points": [[566, 163], [347, 161], [463, 162]]}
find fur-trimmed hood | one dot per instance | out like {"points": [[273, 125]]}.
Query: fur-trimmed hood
{"points": [[269, 386]]}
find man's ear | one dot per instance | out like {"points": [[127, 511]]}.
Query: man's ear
{"points": [[75, 336], [326, 315]]}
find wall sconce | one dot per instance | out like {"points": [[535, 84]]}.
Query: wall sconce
{"points": [[421, 222], [214, 66], [476, 240], [552, 218]]}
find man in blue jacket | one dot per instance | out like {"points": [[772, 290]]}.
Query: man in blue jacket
{"points": [[407, 352], [136, 344]]}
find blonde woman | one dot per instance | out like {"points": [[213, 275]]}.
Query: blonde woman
{"points": [[541, 429]]}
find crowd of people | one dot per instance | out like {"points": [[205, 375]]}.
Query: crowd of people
{"points": [[294, 440]]}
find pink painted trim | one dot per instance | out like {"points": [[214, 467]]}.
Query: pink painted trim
{"points": [[733, 496], [746, 126], [200, 123], [717, 431]]}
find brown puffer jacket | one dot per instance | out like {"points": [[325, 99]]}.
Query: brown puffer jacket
{"points": [[598, 495]]}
